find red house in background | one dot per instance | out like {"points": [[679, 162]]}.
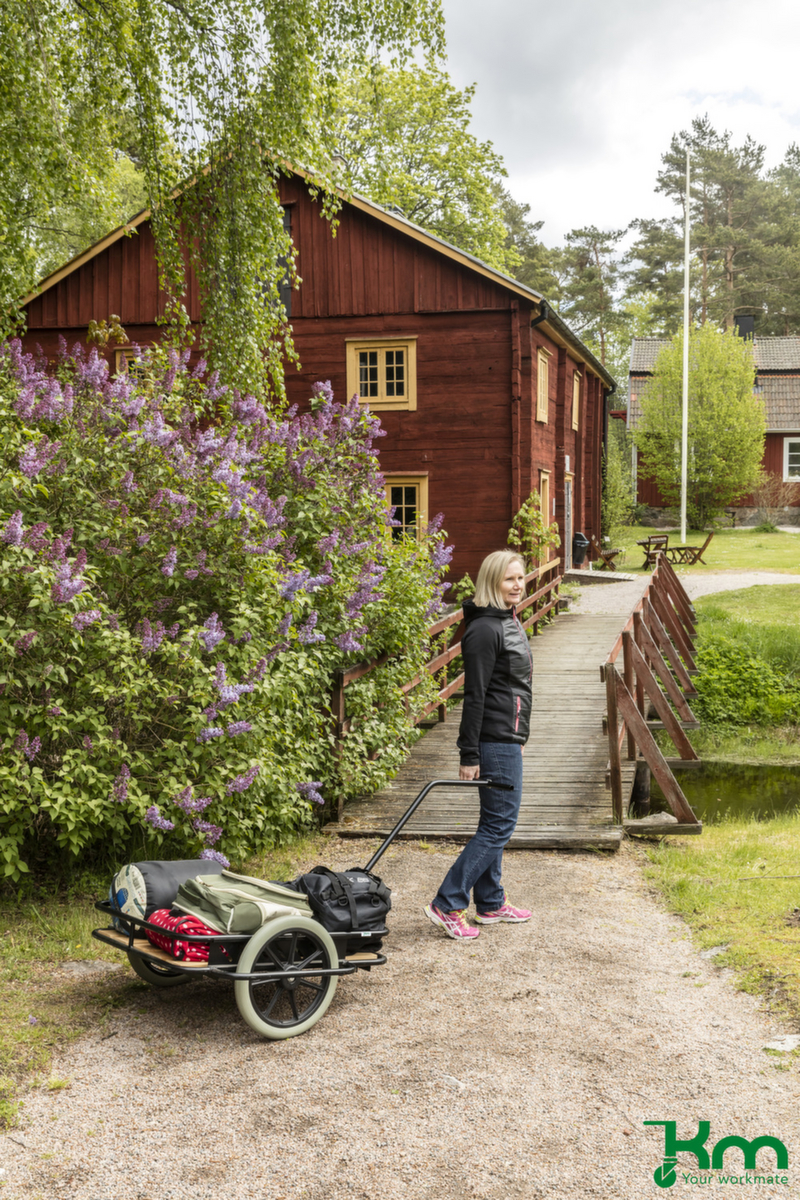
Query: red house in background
{"points": [[777, 362], [484, 392]]}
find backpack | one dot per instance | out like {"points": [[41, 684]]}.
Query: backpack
{"points": [[354, 902], [139, 889], [190, 926]]}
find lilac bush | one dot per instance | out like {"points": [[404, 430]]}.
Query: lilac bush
{"points": [[182, 572]]}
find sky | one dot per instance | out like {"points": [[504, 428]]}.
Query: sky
{"points": [[581, 97]]}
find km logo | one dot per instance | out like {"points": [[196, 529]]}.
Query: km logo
{"points": [[665, 1174]]}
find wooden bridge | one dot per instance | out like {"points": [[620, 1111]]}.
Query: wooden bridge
{"points": [[585, 744]]}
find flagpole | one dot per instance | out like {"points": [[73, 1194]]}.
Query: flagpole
{"points": [[685, 396]]}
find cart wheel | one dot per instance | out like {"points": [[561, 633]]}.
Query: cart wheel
{"points": [[154, 973], [283, 1008]]}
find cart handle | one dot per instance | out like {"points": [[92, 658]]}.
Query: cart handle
{"points": [[408, 814]]}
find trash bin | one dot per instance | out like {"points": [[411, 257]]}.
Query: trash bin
{"points": [[580, 544]]}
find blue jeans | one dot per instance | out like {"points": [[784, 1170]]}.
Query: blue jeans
{"points": [[477, 868]]}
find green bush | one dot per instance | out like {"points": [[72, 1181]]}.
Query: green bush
{"points": [[737, 686], [180, 574]]}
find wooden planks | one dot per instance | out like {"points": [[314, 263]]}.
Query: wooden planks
{"points": [[565, 803]]}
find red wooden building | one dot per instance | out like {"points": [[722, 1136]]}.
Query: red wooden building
{"points": [[777, 361], [485, 393]]}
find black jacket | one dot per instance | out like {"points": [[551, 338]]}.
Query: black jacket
{"points": [[498, 668]]}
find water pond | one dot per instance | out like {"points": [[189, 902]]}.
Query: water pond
{"points": [[720, 791]]}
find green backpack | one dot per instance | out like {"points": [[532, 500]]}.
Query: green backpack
{"points": [[236, 903]]}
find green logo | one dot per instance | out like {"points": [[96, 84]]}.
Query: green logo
{"points": [[665, 1174]]}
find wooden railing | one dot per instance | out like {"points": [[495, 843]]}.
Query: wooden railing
{"points": [[543, 601], [657, 649]]}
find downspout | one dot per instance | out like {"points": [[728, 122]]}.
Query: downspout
{"points": [[544, 313]]}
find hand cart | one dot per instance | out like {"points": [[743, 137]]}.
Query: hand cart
{"points": [[285, 974]]}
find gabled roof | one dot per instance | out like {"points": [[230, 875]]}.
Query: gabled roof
{"points": [[771, 353], [561, 332], [780, 393]]}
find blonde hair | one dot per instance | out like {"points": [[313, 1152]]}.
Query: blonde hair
{"points": [[490, 576]]}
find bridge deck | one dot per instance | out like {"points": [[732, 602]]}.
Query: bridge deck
{"points": [[565, 802]]}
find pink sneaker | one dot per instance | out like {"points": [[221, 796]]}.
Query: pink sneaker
{"points": [[453, 923], [506, 912]]}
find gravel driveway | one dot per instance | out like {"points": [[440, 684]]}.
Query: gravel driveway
{"points": [[521, 1066]]}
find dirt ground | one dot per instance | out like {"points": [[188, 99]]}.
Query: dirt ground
{"points": [[518, 1067]]}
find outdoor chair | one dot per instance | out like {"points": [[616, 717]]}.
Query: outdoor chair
{"points": [[687, 556], [606, 556]]}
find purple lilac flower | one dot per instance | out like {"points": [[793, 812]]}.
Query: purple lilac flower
{"points": [[23, 644], [36, 456], [212, 832], [88, 744], [159, 434], [66, 586], [265, 546], [113, 621], [327, 544], [32, 749], [121, 783], [323, 391], [168, 565], [285, 625], [213, 731], [33, 1020], [247, 410], [83, 620], [190, 574], [229, 693], [189, 804], [215, 856], [212, 633], [152, 636], [21, 740], [54, 711], [154, 818], [348, 642], [238, 727], [128, 483], [306, 634], [242, 782], [12, 532], [310, 791], [143, 539], [34, 537]]}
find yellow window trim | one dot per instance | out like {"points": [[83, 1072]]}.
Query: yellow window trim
{"points": [[543, 384], [381, 403], [398, 479]]}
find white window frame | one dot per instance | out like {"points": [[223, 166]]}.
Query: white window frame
{"points": [[787, 442], [382, 401]]}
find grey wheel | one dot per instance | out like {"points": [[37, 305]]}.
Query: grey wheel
{"points": [[285, 1007], [154, 973]]}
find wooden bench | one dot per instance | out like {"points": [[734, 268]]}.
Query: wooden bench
{"points": [[606, 556]]}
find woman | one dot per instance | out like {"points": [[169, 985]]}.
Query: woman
{"points": [[495, 722]]}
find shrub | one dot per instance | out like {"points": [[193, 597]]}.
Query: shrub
{"points": [[737, 686], [180, 574]]}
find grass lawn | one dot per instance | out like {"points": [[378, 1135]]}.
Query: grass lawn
{"points": [[727, 886], [730, 550], [42, 1008]]}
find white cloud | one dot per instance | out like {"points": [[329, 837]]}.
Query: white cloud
{"points": [[581, 99]]}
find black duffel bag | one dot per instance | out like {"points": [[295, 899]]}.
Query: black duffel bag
{"points": [[354, 902]]}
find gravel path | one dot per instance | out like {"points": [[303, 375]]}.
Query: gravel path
{"points": [[516, 1068], [610, 598]]}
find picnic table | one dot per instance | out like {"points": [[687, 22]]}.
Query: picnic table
{"points": [[677, 555]]}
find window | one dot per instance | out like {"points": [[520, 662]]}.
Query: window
{"points": [[544, 496], [576, 399], [127, 363], [383, 371], [791, 458], [542, 385], [408, 496]]}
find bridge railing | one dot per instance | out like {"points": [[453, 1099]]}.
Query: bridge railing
{"points": [[656, 649], [543, 601]]}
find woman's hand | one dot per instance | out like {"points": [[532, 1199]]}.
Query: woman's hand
{"points": [[469, 773]]}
